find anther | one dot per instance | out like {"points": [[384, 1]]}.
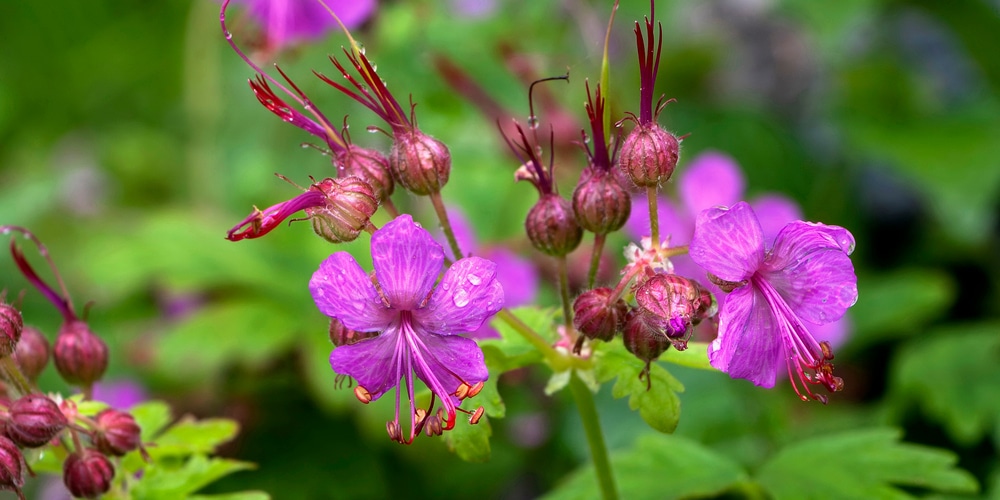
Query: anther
{"points": [[463, 391], [827, 350], [394, 433], [475, 389], [363, 395], [478, 414]]}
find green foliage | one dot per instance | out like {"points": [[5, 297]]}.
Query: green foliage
{"points": [[657, 400], [470, 442], [861, 464], [899, 304], [695, 356]]}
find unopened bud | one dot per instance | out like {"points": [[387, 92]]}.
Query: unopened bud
{"points": [[642, 335], [12, 467], [34, 421], [32, 352], [600, 203], [420, 162], [675, 300], [116, 433], [342, 335], [368, 165], [80, 356], [349, 207], [88, 473], [11, 324], [648, 155], [551, 226], [596, 317]]}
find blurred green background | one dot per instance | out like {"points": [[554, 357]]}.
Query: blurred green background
{"points": [[130, 142]]}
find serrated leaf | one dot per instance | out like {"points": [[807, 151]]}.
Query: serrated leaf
{"points": [[152, 417], [160, 482], [899, 304], [695, 356], [659, 466], [656, 401], [190, 436], [861, 464], [470, 442], [953, 373]]}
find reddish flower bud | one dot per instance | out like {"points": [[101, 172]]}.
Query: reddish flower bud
{"points": [[350, 203], [551, 226], [34, 421], [11, 325], [80, 356], [368, 165], [648, 155], [88, 473], [600, 203], [342, 335], [116, 433], [12, 467], [596, 317], [677, 302], [419, 162], [642, 335], [32, 352]]}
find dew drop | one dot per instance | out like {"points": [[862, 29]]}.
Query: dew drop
{"points": [[445, 285], [372, 129], [475, 280], [461, 298]]}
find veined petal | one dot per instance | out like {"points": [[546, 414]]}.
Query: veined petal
{"points": [[342, 290], [374, 362], [728, 242], [749, 344], [809, 266], [773, 212], [444, 362], [712, 179], [407, 262], [468, 294]]}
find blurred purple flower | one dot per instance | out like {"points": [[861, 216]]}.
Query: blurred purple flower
{"points": [[120, 394], [806, 275], [714, 179], [516, 274], [417, 322], [290, 21]]}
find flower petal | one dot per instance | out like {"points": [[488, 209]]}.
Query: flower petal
{"points": [[407, 261], [774, 211], [468, 294], [728, 242], [517, 276], [749, 344], [810, 268], [342, 290], [446, 361], [463, 231], [712, 179], [372, 362]]}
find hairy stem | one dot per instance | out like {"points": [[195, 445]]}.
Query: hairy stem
{"points": [[564, 293], [445, 224], [595, 259], [595, 437], [654, 217], [390, 207], [12, 373]]}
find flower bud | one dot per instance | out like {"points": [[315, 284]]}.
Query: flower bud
{"points": [[11, 325], [80, 356], [12, 467], [350, 204], [648, 155], [419, 162], [88, 473], [368, 165], [342, 335], [116, 432], [32, 352], [642, 335], [676, 301], [34, 421], [595, 317], [600, 203], [551, 226]]}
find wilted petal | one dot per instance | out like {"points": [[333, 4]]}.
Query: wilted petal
{"points": [[450, 360], [728, 242], [810, 268], [406, 261], [712, 179], [372, 362], [749, 344], [468, 294], [342, 290], [773, 212]]}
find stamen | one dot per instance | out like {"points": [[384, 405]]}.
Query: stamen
{"points": [[478, 414], [475, 389], [392, 427], [364, 396], [462, 392]]}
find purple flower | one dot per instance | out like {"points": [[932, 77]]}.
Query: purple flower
{"points": [[418, 322], [289, 21], [806, 275]]}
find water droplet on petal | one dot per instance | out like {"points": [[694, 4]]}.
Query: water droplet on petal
{"points": [[475, 280], [461, 298], [445, 285]]}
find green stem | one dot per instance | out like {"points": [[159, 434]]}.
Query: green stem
{"points": [[445, 224], [530, 335], [595, 259], [13, 374], [654, 216], [564, 293], [595, 438], [390, 207]]}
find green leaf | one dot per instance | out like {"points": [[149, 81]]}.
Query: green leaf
{"points": [[656, 401], [511, 350], [168, 482], [243, 495], [152, 417], [189, 436], [861, 464], [695, 356], [899, 303], [659, 466], [470, 442], [953, 373]]}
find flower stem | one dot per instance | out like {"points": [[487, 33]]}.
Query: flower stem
{"points": [[595, 259], [390, 207], [564, 293], [445, 224], [654, 217], [12, 373], [595, 438], [530, 335]]}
